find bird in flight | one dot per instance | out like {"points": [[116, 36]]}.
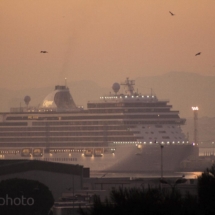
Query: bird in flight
{"points": [[43, 52], [171, 13], [103, 175], [198, 53]]}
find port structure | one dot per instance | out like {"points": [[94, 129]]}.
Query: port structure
{"points": [[195, 115]]}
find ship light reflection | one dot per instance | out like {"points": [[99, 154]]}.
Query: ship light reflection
{"points": [[31, 157], [113, 151]]}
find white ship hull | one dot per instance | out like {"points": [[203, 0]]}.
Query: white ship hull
{"points": [[119, 132], [123, 159]]}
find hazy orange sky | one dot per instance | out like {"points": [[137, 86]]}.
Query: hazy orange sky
{"points": [[103, 40]]}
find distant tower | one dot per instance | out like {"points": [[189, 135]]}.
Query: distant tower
{"points": [[27, 99], [195, 112]]}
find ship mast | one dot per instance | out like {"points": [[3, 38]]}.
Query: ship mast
{"points": [[129, 85]]}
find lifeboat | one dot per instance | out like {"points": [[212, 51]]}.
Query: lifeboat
{"points": [[88, 152], [98, 152], [27, 152], [37, 152]]}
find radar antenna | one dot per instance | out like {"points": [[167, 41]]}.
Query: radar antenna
{"points": [[27, 99], [116, 87], [129, 85]]}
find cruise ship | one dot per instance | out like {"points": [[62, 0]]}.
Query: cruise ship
{"points": [[122, 132]]}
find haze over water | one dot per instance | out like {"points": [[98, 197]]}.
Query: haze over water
{"points": [[107, 41]]}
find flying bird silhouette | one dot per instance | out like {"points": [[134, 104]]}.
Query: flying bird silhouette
{"points": [[171, 13], [198, 53], [103, 175], [43, 52]]}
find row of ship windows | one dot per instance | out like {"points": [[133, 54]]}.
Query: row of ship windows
{"points": [[131, 110], [153, 142], [82, 123], [58, 150], [78, 128], [159, 126], [60, 134], [95, 117], [15, 151], [161, 132], [138, 122], [163, 137], [13, 123], [60, 159], [136, 104], [87, 139], [166, 110], [46, 144], [68, 128], [66, 139]]}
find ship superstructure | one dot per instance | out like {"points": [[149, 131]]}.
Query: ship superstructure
{"points": [[119, 132]]}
